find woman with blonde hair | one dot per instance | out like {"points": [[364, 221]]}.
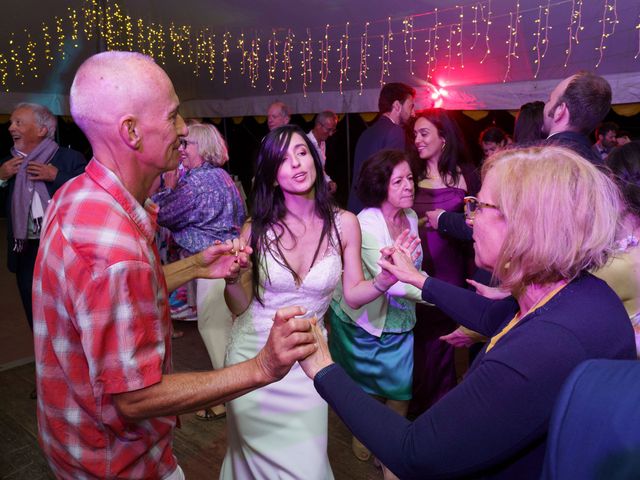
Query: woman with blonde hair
{"points": [[542, 219], [204, 207]]}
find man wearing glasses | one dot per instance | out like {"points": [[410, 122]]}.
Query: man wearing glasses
{"points": [[323, 128]]}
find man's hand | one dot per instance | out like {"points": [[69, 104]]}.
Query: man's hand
{"points": [[42, 172], [223, 260], [290, 340], [492, 293], [463, 337], [431, 218], [9, 168]]}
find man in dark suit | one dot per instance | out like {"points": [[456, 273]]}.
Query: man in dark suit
{"points": [[395, 105], [574, 109], [29, 176]]}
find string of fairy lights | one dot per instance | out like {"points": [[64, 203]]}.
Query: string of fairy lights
{"points": [[428, 41]]}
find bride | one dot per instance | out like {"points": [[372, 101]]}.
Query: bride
{"points": [[302, 245]]}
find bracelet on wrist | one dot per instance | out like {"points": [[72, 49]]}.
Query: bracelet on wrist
{"points": [[376, 286], [232, 281]]}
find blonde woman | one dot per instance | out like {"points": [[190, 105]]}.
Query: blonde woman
{"points": [[202, 208], [542, 219]]}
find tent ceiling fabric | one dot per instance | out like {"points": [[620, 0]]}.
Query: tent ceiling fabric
{"points": [[486, 55]]}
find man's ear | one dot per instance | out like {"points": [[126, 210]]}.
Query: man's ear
{"points": [[561, 113], [396, 106], [129, 132], [42, 132]]}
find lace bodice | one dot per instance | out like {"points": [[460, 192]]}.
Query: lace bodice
{"points": [[280, 290]]}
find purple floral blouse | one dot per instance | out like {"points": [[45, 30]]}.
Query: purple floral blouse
{"points": [[205, 206]]}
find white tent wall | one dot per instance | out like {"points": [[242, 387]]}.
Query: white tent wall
{"points": [[491, 54]]}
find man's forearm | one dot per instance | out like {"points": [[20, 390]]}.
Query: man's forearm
{"points": [[180, 272], [186, 392]]}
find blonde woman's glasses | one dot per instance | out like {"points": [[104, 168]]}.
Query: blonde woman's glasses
{"points": [[472, 205]]}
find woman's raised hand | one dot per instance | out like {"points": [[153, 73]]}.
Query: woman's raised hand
{"points": [[410, 243]]}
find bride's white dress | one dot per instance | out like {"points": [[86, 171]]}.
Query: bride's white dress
{"points": [[280, 431]]}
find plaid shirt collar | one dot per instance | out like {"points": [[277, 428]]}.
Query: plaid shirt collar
{"points": [[144, 217]]}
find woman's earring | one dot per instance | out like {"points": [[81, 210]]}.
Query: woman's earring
{"points": [[444, 144]]}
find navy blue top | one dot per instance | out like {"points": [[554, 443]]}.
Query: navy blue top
{"points": [[383, 134], [578, 142], [594, 432], [494, 423]]}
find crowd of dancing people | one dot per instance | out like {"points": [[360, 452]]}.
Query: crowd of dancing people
{"points": [[530, 259]]}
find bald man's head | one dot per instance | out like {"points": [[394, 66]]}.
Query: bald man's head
{"points": [[112, 84], [127, 107]]}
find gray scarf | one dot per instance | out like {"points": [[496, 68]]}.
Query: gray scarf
{"points": [[24, 189]]}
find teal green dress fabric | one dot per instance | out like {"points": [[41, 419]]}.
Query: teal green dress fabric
{"points": [[374, 344], [380, 365]]}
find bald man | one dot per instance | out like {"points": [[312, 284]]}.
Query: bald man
{"points": [[277, 115], [107, 399]]}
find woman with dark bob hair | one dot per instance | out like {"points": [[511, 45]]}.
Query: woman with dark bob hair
{"points": [[303, 245], [543, 218], [374, 343], [444, 179]]}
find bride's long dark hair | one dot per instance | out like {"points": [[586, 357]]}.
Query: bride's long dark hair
{"points": [[268, 208]]}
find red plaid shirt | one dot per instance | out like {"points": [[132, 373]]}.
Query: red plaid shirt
{"points": [[101, 327]]}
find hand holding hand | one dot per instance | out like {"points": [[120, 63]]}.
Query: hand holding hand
{"points": [[9, 168], [41, 172], [290, 340], [400, 264], [410, 242], [223, 260], [242, 254], [319, 359]]}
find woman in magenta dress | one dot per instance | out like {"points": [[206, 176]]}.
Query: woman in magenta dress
{"points": [[445, 178]]}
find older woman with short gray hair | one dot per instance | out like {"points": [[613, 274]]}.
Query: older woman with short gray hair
{"points": [[204, 207]]}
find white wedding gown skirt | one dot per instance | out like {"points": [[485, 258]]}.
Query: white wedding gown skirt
{"points": [[280, 431]]}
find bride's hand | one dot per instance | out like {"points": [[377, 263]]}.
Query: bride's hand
{"points": [[320, 358]]}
